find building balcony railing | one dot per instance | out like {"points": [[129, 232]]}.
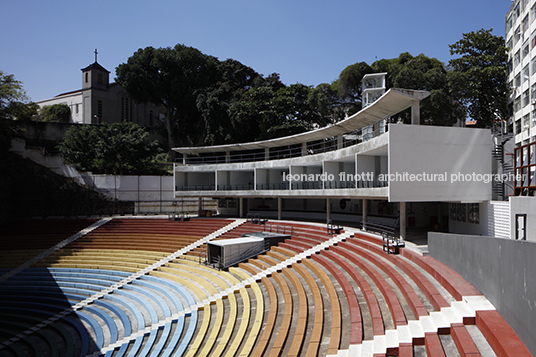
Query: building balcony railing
{"points": [[290, 151], [273, 186], [195, 188], [238, 187], [300, 185]]}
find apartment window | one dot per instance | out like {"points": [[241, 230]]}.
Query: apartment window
{"points": [[509, 23], [526, 98], [525, 23], [517, 104], [526, 73], [517, 59], [533, 118], [518, 126], [532, 13], [533, 93], [526, 122], [532, 40], [526, 50], [533, 66], [517, 81], [517, 35]]}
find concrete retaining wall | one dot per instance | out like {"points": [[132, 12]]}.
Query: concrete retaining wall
{"points": [[502, 269]]}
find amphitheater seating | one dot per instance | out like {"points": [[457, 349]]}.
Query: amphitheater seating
{"points": [[118, 291]]}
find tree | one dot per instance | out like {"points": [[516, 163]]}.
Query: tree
{"points": [[14, 103], [479, 75], [274, 110], [56, 113], [348, 85], [425, 73], [120, 148], [170, 77], [215, 102]]}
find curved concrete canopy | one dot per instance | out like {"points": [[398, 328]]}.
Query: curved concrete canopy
{"points": [[391, 102]]}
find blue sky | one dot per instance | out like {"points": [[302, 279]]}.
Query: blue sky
{"points": [[46, 43]]}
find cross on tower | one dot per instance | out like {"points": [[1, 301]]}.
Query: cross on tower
{"points": [[96, 53]]}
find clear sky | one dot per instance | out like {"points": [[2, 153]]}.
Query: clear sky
{"points": [[44, 44]]}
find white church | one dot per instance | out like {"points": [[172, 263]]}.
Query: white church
{"points": [[99, 101]]}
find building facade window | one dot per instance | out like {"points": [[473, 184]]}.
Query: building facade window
{"points": [[525, 169], [518, 126], [517, 104], [526, 98], [526, 122], [526, 73], [87, 77], [458, 212], [474, 213], [525, 23], [126, 109], [517, 59], [526, 50]]}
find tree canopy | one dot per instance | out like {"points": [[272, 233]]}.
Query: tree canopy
{"points": [[119, 148], [212, 102], [479, 75], [170, 77], [14, 103], [56, 113]]}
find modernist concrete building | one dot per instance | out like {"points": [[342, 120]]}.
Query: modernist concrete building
{"points": [[364, 168], [521, 39], [100, 101]]}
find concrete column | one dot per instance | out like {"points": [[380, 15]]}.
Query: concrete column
{"points": [[279, 207], [227, 157], [304, 149], [328, 209], [266, 154], [184, 158], [340, 142], [241, 207], [365, 213], [415, 113], [402, 213]]}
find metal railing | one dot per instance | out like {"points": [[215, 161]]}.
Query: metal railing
{"points": [[290, 151]]}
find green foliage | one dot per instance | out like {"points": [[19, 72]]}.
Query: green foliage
{"points": [[120, 148], [479, 75], [215, 102], [406, 71], [14, 104], [56, 113], [276, 110], [170, 77]]}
